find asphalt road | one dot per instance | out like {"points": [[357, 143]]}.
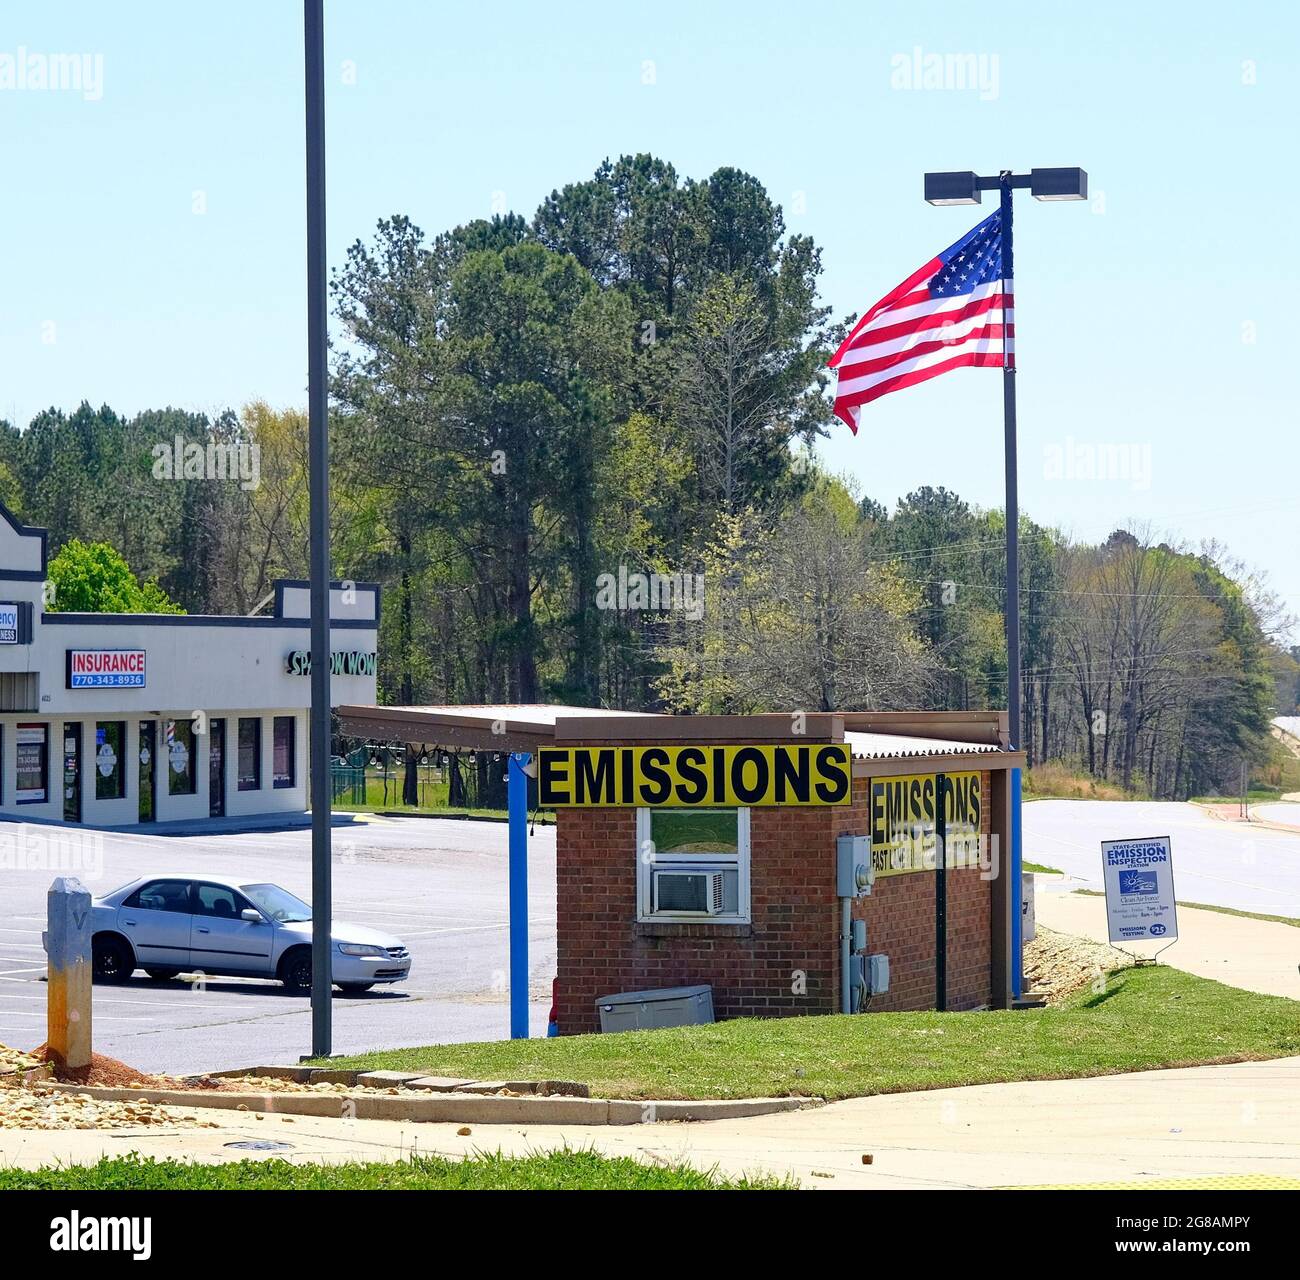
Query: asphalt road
{"points": [[439, 884], [1224, 864], [1282, 811]]}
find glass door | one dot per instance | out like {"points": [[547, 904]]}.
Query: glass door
{"points": [[217, 768], [71, 773], [148, 769]]}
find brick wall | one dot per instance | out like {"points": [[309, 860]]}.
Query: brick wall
{"points": [[786, 961], [900, 923]]}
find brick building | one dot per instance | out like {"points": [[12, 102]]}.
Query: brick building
{"points": [[770, 941]]}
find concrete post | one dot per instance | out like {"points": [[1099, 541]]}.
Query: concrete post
{"points": [[68, 993]]}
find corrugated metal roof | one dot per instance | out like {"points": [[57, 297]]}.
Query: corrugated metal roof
{"points": [[517, 713], [885, 746]]}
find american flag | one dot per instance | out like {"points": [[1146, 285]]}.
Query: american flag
{"points": [[956, 310]]}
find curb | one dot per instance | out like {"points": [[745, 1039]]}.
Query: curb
{"points": [[443, 817], [451, 1107]]}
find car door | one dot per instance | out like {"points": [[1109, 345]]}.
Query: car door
{"points": [[156, 920], [220, 940]]}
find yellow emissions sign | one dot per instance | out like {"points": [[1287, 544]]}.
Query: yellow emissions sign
{"points": [[706, 776], [902, 811]]}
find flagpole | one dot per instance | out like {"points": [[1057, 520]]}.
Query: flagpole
{"points": [[1012, 612]]}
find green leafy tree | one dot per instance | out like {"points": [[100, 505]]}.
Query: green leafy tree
{"points": [[94, 578]]}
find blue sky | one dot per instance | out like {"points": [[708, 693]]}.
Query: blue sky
{"points": [[1153, 319]]}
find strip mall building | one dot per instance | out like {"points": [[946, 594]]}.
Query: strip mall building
{"points": [[713, 850], [113, 719]]}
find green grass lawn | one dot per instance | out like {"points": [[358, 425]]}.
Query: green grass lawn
{"points": [[1144, 1018], [1038, 868], [551, 1171], [1256, 795]]}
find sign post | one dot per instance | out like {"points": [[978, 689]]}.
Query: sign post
{"points": [[1139, 880], [68, 992], [517, 808]]}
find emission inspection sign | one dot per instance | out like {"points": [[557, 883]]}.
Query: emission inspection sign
{"points": [[1139, 878], [708, 777]]}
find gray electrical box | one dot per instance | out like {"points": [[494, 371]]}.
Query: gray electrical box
{"points": [[858, 936], [854, 871], [878, 974], [646, 1010]]}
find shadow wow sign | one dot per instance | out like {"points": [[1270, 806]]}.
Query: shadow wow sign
{"points": [[712, 776]]}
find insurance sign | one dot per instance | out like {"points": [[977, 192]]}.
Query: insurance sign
{"points": [[8, 623], [712, 776], [106, 669], [1139, 879]]}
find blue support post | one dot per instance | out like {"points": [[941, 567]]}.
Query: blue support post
{"points": [[517, 804], [1017, 892]]}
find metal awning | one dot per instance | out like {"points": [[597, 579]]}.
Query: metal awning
{"points": [[486, 727], [528, 726]]}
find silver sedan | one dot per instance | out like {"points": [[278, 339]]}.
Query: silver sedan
{"points": [[170, 924]]}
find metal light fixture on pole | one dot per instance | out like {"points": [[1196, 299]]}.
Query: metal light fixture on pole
{"points": [[318, 484], [964, 187]]}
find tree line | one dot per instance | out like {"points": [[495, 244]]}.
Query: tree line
{"points": [[576, 450]]}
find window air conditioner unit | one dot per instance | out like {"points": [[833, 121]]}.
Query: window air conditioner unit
{"points": [[689, 892]]}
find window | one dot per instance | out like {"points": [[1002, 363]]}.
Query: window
{"points": [[282, 761], [179, 738], [162, 895], [278, 903], [218, 900], [33, 781], [693, 865], [110, 751], [250, 754]]}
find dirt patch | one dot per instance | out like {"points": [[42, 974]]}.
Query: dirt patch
{"points": [[102, 1070], [1058, 964]]}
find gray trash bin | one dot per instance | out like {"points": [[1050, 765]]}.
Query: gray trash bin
{"points": [[644, 1010]]}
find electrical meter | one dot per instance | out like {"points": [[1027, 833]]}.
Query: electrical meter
{"points": [[854, 873]]}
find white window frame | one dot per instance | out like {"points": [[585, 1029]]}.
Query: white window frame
{"points": [[647, 864]]}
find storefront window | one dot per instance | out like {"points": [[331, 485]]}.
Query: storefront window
{"points": [[282, 761], [110, 751], [250, 754], [179, 741], [693, 864], [33, 764]]}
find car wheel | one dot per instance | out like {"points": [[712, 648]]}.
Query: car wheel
{"points": [[161, 975], [354, 988], [295, 973], [111, 960]]}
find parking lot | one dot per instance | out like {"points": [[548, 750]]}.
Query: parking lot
{"points": [[439, 884]]}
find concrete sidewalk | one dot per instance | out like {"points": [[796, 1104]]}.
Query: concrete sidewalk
{"points": [[1204, 1122], [1255, 955]]}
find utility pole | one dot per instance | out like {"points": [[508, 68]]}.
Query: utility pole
{"points": [[319, 518]]}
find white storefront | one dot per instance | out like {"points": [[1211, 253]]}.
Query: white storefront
{"points": [[112, 719]]}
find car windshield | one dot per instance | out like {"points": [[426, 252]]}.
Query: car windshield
{"points": [[277, 903]]}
